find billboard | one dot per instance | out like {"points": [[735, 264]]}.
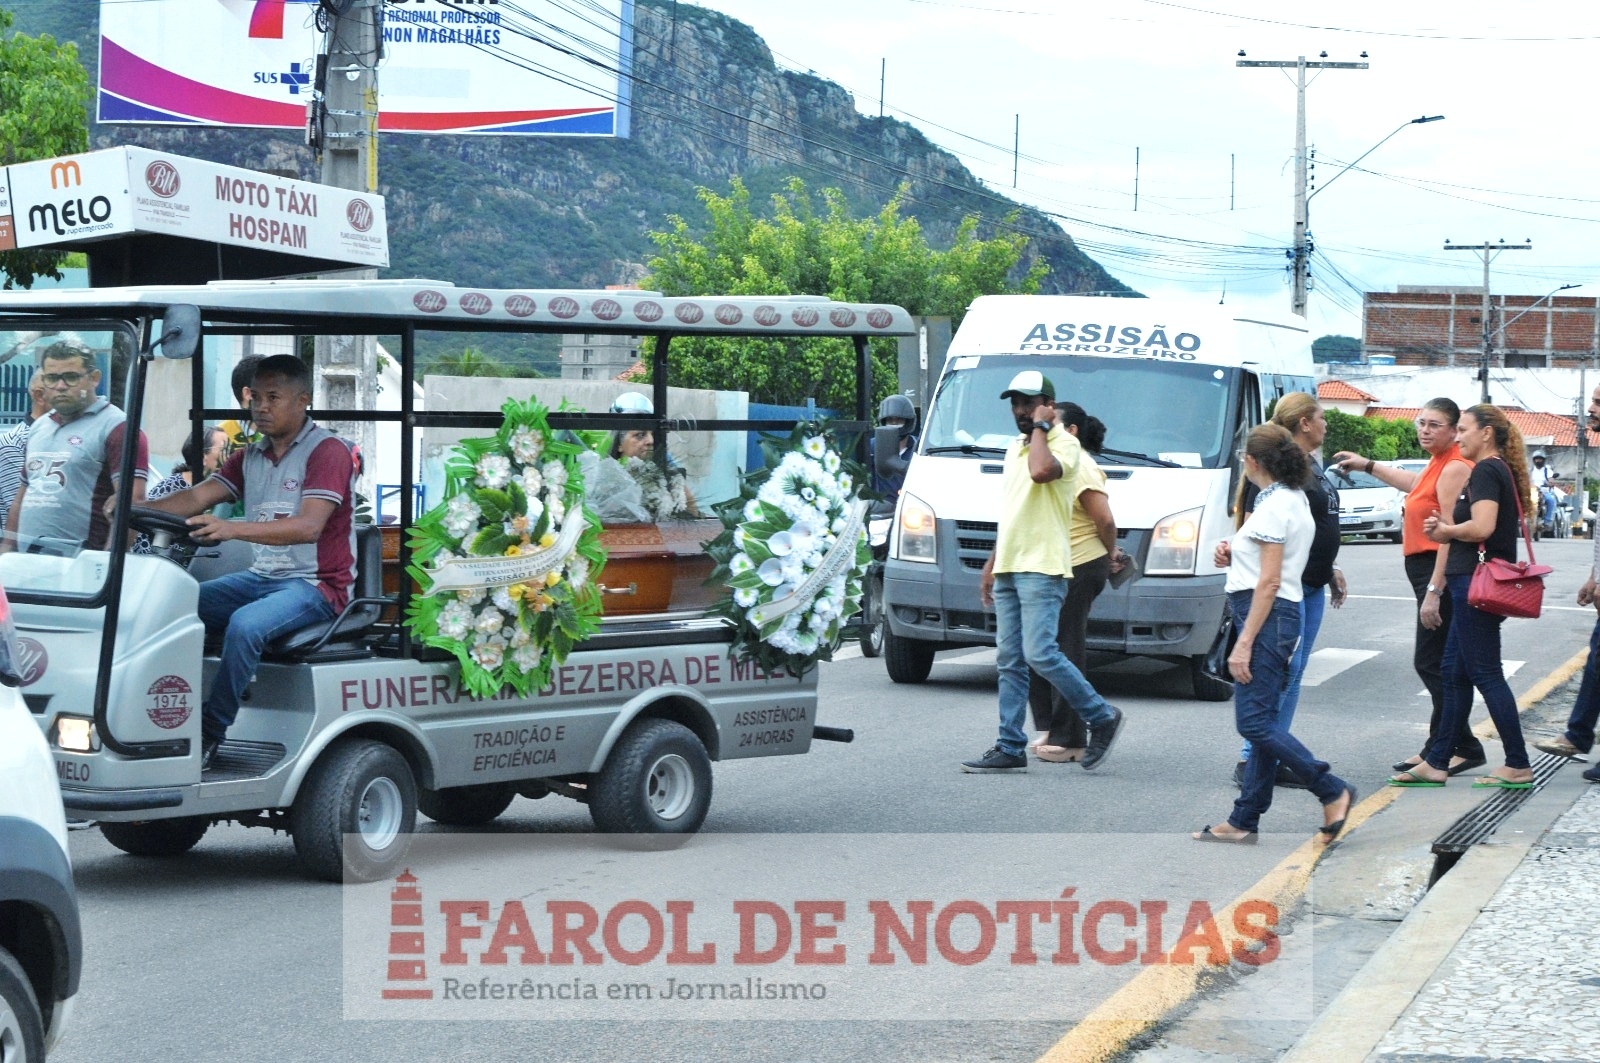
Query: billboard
{"points": [[535, 67], [123, 191]]}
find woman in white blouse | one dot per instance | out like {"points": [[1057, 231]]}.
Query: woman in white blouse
{"points": [[1264, 564]]}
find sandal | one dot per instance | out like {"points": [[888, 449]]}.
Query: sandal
{"points": [[1500, 782], [1330, 831], [1410, 778], [1057, 754], [1206, 834]]}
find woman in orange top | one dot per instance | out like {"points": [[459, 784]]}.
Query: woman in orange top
{"points": [[1427, 492]]}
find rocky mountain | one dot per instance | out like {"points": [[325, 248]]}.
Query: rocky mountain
{"points": [[709, 104]]}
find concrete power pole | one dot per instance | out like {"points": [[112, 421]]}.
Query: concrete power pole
{"points": [[347, 134], [1300, 265], [1489, 252]]}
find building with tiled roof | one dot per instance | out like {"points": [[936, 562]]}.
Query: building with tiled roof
{"points": [[1345, 397]]}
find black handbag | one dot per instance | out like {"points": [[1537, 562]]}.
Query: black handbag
{"points": [[1216, 661]]}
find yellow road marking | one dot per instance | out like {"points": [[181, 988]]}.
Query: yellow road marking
{"points": [[1155, 991]]}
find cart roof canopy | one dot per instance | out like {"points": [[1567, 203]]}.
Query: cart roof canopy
{"points": [[149, 217], [386, 304]]}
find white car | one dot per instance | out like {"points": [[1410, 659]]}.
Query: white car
{"points": [[1367, 505], [41, 947]]}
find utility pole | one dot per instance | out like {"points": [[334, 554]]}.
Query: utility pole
{"points": [[346, 132], [1300, 256], [1489, 252]]}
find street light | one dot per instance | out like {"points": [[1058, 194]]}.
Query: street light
{"points": [[1488, 333], [1424, 120]]}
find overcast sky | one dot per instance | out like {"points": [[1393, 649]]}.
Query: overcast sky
{"points": [[1514, 158]]}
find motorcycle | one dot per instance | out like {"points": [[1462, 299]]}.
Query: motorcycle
{"points": [[1555, 515]]}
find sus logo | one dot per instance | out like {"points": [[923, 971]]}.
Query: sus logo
{"points": [[359, 214], [161, 177], [878, 317], [606, 309], [520, 305], [728, 314], [842, 317], [476, 303], [429, 301]]}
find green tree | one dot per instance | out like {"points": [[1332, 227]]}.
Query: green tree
{"points": [[44, 112], [802, 248], [1373, 437], [1336, 349], [468, 362]]}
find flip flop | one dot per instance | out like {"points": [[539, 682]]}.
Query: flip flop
{"points": [[1057, 754], [1207, 835], [1410, 778], [1331, 831], [1467, 765], [1496, 782]]}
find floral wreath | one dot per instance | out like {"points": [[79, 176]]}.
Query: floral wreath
{"points": [[793, 552], [504, 566]]}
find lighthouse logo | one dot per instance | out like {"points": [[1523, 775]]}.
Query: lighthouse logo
{"points": [[407, 967]]}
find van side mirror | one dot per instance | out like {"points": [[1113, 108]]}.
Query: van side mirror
{"points": [[180, 332], [886, 459]]}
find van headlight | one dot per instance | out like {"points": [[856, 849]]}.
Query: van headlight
{"points": [[1173, 543], [918, 531], [76, 734]]}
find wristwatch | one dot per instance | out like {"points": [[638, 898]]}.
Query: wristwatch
{"points": [[1433, 590], [1043, 426]]}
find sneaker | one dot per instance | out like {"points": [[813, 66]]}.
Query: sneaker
{"points": [[208, 750], [1238, 774], [1593, 774], [1560, 747], [1102, 736], [994, 761]]}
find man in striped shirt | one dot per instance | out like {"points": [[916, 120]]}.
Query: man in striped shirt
{"points": [[14, 445]]}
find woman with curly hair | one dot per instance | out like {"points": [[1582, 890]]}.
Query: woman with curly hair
{"points": [[1264, 563], [1483, 523]]}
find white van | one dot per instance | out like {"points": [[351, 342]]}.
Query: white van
{"points": [[1178, 386]]}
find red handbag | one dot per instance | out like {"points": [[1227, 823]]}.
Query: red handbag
{"points": [[1509, 588]]}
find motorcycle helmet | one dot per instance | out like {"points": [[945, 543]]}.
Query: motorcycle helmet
{"points": [[898, 406]]}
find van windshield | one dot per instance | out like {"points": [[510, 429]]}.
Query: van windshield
{"points": [[1174, 412]]}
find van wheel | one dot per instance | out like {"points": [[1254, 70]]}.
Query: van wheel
{"points": [[466, 806], [21, 1021], [656, 781], [156, 837], [908, 660], [360, 788], [1208, 687]]}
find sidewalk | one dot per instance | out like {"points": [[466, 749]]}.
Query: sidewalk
{"points": [[1497, 962]]}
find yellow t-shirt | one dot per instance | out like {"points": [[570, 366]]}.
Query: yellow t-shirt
{"points": [[1036, 519], [1086, 544]]}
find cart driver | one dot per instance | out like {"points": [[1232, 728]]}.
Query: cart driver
{"points": [[73, 460], [295, 485]]}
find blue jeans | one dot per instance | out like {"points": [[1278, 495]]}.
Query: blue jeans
{"points": [[1312, 608], [1027, 610], [251, 611], [1472, 659], [1255, 712], [1586, 709]]}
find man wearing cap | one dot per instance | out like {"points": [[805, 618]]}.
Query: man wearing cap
{"points": [[74, 458], [1543, 479], [1025, 579]]}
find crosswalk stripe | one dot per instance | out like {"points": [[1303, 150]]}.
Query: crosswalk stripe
{"points": [[1510, 668], [1324, 664]]}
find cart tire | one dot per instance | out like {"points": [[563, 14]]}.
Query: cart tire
{"points": [[364, 789], [874, 624], [466, 806], [156, 837], [908, 660], [21, 1020], [1208, 687], [657, 780]]}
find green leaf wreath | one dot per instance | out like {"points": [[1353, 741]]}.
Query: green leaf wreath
{"points": [[505, 564], [793, 551]]}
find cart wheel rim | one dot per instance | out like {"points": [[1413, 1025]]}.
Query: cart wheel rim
{"points": [[379, 813], [669, 786], [10, 1034]]}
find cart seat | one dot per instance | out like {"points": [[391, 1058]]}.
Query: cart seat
{"points": [[342, 635]]}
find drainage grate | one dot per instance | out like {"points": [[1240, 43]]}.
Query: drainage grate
{"points": [[243, 760], [1479, 823]]}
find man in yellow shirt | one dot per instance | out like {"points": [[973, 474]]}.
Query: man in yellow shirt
{"points": [[1025, 579]]}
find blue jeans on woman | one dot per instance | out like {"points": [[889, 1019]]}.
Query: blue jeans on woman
{"points": [[1027, 609], [250, 611], [1312, 608], [1255, 711], [1586, 708], [1472, 659]]}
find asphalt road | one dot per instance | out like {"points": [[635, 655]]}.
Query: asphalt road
{"points": [[228, 953]]}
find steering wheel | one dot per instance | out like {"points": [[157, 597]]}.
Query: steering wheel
{"points": [[169, 533]]}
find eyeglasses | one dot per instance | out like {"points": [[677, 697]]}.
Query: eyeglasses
{"points": [[1436, 426], [50, 380]]}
